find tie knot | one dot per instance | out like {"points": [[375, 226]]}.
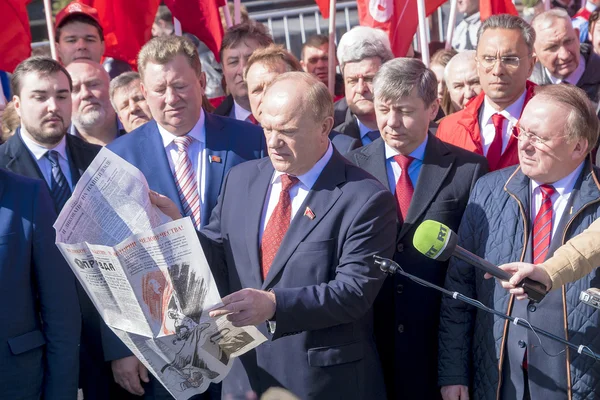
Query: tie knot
{"points": [[287, 182], [52, 156], [183, 142], [251, 119], [547, 191], [497, 120], [403, 161], [373, 135]]}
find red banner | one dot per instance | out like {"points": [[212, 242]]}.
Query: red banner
{"points": [[323, 7], [16, 36], [487, 8]]}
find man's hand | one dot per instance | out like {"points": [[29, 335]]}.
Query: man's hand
{"points": [[455, 392], [127, 372], [247, 307], [521, 271], [165, 205]]}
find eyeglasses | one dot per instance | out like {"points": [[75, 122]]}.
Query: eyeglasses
{"points": [[535, 140], [489, 62]]}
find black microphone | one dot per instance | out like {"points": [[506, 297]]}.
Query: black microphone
{"points": [[435, 240]]}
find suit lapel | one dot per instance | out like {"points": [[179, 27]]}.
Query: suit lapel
{"points": [[155, 164], [352, 129], [217, 143], [320, 199], [437, 163], [74, 155], [371, 158], [21, 161], [258, 187]]}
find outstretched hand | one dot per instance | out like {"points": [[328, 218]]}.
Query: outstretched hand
{"points": [[520, 271]]}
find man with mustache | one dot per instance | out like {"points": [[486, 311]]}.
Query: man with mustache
{"points": [[94, 119], [42, 149], [504, 62], [562, 59], [128, 101]]}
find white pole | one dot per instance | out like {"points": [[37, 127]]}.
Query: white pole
{"points": [[546, 5], [331, 72], [237, 13], [50, 25], [177, 27], [227, 15], [451, 24], [423, 26]]}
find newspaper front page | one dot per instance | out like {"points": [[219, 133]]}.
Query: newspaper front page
{"points": [[148, 278]]}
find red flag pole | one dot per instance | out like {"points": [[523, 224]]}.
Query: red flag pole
{"points": [[422, 32], [237, 13], [451, 24], [547, 5], [331, 55], [50, 25], [227, 15]]}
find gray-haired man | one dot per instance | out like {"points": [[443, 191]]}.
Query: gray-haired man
{"points": [[128, 101], [430, 180]]}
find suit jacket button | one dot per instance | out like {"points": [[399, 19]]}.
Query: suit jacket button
{"points": [[400, 328], [400, 248], [532, 307], [400, 288], [522, 344]]}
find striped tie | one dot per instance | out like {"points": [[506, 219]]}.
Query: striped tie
{"points": [[59, 187], [185, 180], [542, 225]]}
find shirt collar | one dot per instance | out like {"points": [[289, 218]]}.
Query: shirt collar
{"points": [[564, 185], [417, 154], [511, 113], [473, 18], [241, 114], [40, 151], [573, 77], [198, 132], [363, 129], [308, 179]]}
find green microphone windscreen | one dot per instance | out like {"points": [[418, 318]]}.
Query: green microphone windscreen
{"points": [[434, 240]]}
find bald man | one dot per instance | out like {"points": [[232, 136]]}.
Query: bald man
{"points": [[461, 79], [94, 119]]}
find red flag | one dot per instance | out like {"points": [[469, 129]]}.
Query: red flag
{"points": [[396, 17], [487, 8], [200, 18], [323, 7], [15, 45], [127, 26]]}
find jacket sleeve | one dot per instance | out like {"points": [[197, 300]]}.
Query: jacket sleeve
{"points": [[59, 304], [457, 317], [577, 258]]}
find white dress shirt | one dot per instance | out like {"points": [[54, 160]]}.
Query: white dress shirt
{"points": [[468, 26], [239, 112], [39, 154], [298, 192], [573, 77], [196, 152], [563, 188], [511, 114]]}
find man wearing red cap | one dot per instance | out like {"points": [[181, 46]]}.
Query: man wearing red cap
{"points": [[79, 34]]}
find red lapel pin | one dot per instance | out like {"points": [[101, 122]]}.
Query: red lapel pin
{"points": [[215, 159], [309, 213]]}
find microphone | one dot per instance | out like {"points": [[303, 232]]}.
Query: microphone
{"points": [[435, 240]]}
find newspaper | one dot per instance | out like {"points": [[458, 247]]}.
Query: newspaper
{"points": [[148, 278]]}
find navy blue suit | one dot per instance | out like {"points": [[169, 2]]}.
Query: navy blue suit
{"points": [[323, 278], [39, 310]]}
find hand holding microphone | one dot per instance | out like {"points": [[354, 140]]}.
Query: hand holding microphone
{"points": [[435, 240]]}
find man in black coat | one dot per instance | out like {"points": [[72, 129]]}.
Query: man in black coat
{"points": [[430, 180]]}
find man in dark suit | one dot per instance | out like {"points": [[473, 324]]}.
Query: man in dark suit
{"points": [[41, 323], [430, 180], [299, 254], [266, 64], [361, 52], [184, 154], [42, 149], [237, 46]]}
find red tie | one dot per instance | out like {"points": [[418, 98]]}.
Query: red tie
{"points": [[495, 151], [277, 225], [542, 225], [404, 187], [252, 119]]}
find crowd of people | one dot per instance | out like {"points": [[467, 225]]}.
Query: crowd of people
{"points": [[294, 189]]}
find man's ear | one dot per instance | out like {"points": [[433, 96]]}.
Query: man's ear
{"points": [[17, 104]]}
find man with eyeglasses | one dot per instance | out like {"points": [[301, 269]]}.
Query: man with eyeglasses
{"points": [[562, 59], [525, 213], [504, 62]]}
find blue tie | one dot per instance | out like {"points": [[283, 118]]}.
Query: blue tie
{"points": [[59, 187], [373, 135]]}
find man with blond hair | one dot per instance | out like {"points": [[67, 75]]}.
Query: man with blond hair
{"points": [[181, 136], [265, 65]]}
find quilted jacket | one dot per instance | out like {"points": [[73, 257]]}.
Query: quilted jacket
{"points": [[496, 226]]}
